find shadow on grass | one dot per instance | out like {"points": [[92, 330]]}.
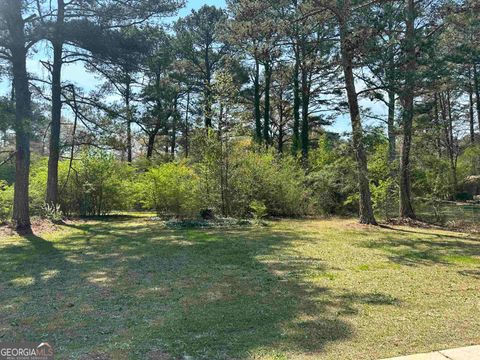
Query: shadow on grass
{"points": [[472, 273], [444, 249], [119, 288], [418, 232]]}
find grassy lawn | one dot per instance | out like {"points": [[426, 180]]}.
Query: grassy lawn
{"points": [[328, 289]]}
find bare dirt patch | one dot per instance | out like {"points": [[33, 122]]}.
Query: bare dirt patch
{"points": [[39, 226], [460, 226], [412, 223]]}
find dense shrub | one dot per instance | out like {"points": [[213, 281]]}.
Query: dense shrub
{"points": [[469, 162], [234, 172], [333, 179], [334, 182], [208, 162], [431, 177], [225, 176], [6, 201], [383, 181], [276, 181], [38, 186], [259, 210], [7, 172], [97, 185], [170, 189]]}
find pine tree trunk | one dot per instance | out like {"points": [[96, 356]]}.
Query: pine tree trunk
{"points": [[438, 142], [207, 90], [54, 146], [266, 117], [186, 134], [173, 141], [471, 112], [296, 103], [392, 138], [151, 143], [366, 209], [476, 83], [390, 76], [305, 103], [23, 115], [129, 123], [452, 147], [406, 208], [392, 151], [256, 103], [281, 131]]}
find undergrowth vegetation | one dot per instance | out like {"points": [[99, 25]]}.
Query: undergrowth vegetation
{"points": [[235, 184]]}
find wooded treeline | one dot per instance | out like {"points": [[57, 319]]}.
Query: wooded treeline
{"points": [[267, 76]]}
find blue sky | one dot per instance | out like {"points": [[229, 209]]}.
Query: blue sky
{"points": [[195, 4]]}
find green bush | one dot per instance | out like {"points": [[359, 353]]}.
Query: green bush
{"points": [[431, 177], [208, 162], [171, 189], [97, 185], [469, 162], [233, 173], [7, 171], [38, 186], [333, 180], [6, 201], [259, 210], [277, 181], [383, 182]]}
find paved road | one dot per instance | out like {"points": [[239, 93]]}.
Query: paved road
{"points": [[465, 353]]}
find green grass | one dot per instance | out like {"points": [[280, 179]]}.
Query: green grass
{"points": [[129, 288]]}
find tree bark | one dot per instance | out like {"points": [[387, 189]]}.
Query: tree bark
{"points": [[391, 133], [390, 76], [305, 140], [438, 141], [256, 103], [476, 83], [471, 108], [406, 208], [392, 150], [281, 131], [173, 140], [54, 145], [207, 90], [23, 115], [296, 103], [266, 118], [129, 122], [186, 135], [452, 147], [366, 209], [151, 143]]}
